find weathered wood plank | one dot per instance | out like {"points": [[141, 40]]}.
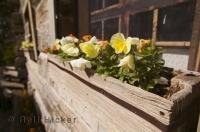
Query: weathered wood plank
{"points": [[87, 102], [106, 104], [155, 24], [134, 6], [180, 44], [151, 104], [12, 85], [51, 105], [194, 45]]}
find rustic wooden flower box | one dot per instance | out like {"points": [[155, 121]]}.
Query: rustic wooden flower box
{"points": [[91, 103]]}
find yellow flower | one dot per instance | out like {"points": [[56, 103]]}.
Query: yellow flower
{"points": [[127, 62], [91, 50], [143, 44], [70, 49], [120, 44], [26, 44]]}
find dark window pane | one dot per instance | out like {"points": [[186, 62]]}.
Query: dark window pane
{"points": [[66, 17], [111, 2], [111, 27], [96, 29], [175, 22], [140, 25], [96, 4]]}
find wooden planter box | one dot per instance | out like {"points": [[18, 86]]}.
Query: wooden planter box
{"points": [[90, 103]]}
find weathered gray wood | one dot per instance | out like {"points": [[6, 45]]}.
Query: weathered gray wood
{"points": [[198, 128], [155, 24], [106, 104], [12, 85], [50, 103], [180, 44], [32, 29], [134, 6], [10, 73], [194, 46], [11, 68]]}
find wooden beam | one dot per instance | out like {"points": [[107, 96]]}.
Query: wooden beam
{"points": [[197, 66], [134, 6], [194, 46], [198, 128], [83, 17], [32, 29], [180, 44], [155, 23]]}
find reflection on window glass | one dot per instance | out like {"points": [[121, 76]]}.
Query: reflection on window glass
{"points": [[96, 4], [140, 25], [66, 17], [96, 29], [111, 27], [111, 2], [175, 22]]}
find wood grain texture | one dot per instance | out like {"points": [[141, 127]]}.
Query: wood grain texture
{"points": [[194, 44], [135, 6], [106, 104]]}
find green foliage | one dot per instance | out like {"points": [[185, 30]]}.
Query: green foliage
{"points": [[148, 65], [64, 56], [8, 55], [140, 66], [106, 62]]}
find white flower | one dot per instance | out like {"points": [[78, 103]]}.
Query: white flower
{"points": [[70, 49], [80, 64], [127, 62], [133, 41]]}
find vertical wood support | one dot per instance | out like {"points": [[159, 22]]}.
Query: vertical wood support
{"points": [[194, 45], [125, 23], [155, 24], [32, 29], [198, 127], [52, 28], [83, 17]]}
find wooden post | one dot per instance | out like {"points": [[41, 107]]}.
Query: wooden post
{"points": [[155, 23], [52, 27], [198, 127], [83, 17], [32, 29], [194, 46]]}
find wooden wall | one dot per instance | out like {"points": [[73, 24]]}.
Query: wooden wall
{"points": [[169, 23]]}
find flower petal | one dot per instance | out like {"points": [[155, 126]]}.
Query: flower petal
{"points": [[72, 51], [93, 40], [65, 47], [118, 42], [127, 62], [133, 41], [90, 49], [80, 64]]}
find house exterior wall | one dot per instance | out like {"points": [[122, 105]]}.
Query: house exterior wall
{"points": [[117, 13]]}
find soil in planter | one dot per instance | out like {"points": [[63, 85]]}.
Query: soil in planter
{"points": [[163, 88]]}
